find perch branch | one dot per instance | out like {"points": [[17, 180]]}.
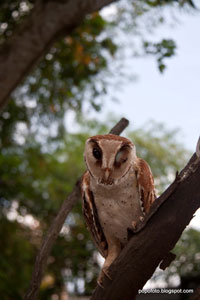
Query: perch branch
{"points": [[119, 127], [56, 226], [150, 245]]}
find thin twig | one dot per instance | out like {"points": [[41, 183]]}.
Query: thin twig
{"points": [[49, 240]]}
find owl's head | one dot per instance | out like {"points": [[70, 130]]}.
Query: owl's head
{"points": [[109, 157]]}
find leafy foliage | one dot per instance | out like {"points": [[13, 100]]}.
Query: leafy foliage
{"points": [[188, 255], [162, 50], [75, 69], [16, 259]]}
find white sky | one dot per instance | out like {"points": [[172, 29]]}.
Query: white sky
{"points": [[172, 97]]}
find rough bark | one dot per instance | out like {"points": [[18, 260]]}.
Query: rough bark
{"points": [[153, 239], [47, 21], [56, 226]]}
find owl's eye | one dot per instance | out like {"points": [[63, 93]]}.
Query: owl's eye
{"points": [[120, 158], [122, 155], [97, 153]]}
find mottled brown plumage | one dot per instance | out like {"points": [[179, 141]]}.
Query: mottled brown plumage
{"points": [[117, 191]]}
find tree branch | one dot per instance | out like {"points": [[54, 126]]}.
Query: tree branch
{"points": [[46, 23], [155, 237], [119, 127], [56, 226]]}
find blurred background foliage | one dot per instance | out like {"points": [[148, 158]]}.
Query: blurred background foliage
{"points": [[40, 157]]}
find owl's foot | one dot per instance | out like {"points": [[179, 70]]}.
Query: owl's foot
{"points": [[134, 225], [104, 272], [100, 279], [100, 282], [131, 230]]}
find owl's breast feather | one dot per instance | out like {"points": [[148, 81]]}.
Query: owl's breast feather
{"points": [[117, 207]]}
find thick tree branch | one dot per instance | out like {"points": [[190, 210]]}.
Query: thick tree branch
{"points": [[56, 226], [151, 243], [47, 21]]}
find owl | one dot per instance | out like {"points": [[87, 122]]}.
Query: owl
{"points": [[117, 191]]}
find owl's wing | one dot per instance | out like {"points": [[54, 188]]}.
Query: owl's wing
{"points": [[91, 216], [145, 184]]}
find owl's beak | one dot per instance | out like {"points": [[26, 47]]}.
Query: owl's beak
{"points": [[107, 173], [106, 177]]}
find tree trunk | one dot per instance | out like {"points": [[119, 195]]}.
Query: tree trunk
{"points": [[47, 21]]}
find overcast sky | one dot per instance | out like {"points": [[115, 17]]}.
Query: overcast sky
{"points": [[172, 97]]}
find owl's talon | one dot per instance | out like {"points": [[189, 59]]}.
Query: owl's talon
{"points": [[99, 282], [141, 219], [106, 273], [134, 224]]}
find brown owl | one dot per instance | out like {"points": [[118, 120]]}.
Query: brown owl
{"points": [[117, 190]]}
